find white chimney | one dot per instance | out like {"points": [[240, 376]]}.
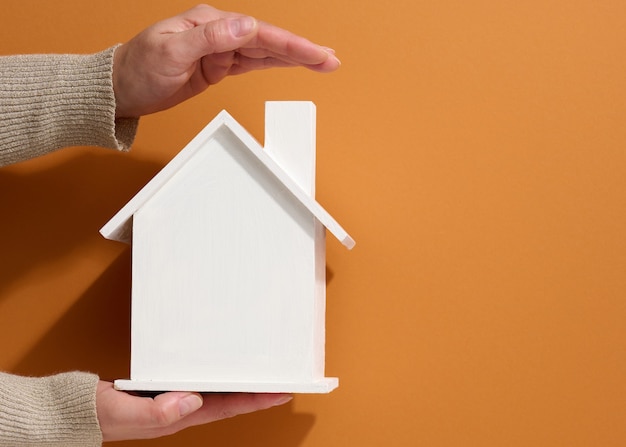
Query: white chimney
{"points": [[290, 139]]}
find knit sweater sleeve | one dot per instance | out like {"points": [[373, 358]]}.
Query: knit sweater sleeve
{"points": [[48, 102], [55, 411]]}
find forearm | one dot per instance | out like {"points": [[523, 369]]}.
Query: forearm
{"points": [[48, 102], [52, 411]]}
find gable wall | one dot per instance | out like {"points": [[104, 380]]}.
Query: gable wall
{"points": [[245, 258]]}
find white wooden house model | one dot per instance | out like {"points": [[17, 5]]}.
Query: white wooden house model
{"points": [[228, 259]]}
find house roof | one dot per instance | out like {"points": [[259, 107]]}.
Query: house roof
{"points": [[119, 227]]}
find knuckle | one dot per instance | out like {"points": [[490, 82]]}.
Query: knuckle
{"points": [[215, 33]]}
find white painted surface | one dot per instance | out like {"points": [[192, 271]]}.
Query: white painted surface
{"points": [[223, 274], [290, 131], [325, 385], [290, 140], [229, 263], [119, 227]]}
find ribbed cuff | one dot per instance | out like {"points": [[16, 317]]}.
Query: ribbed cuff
{"points": [[51, 411], [52, 101]]}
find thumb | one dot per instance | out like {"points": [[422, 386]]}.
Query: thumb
{"points": [[241, 26], [218, 36], [169, 408], [189, 404]]}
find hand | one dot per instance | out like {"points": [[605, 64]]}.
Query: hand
{"points": [[180, 57], [125, 417]]}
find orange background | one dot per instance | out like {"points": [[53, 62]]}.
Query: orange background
{"points": [[474, 149]]}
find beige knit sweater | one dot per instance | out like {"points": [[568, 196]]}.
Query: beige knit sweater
{"points": [[52, 411], [48, 102]]}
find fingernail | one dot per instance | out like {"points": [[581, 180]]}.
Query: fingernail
{"points": [[242, 26], [331, 53], [189, 404], [282, 400]]}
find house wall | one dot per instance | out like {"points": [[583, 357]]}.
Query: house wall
{"points": [[224, 274], [474, 149]]}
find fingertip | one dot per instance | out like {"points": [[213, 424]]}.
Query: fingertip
{"points": [[332, 62], [189, 404]]}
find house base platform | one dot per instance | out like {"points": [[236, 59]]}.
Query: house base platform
{"points": [[323, 386]]}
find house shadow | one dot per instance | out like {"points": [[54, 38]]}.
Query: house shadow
{"points": [[51, 211], [55, 211], [52, 207], [94, 335]]}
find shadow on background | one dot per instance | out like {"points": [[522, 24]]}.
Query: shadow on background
{"points": [[93, 335], [51, 210], [55, 211]]}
